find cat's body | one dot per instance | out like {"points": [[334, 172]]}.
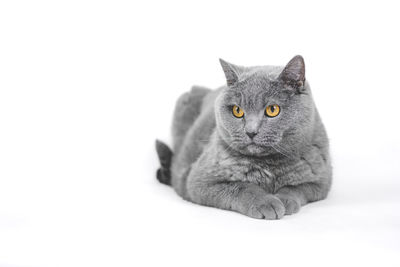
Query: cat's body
{"points": [[261, 166]]}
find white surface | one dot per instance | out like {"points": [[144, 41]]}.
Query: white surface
{"points": [[86, 87]]}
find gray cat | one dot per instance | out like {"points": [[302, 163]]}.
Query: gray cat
{"points": [[256, 146]]}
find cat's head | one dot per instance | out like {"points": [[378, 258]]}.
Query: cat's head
{"points": [[264, 109]]}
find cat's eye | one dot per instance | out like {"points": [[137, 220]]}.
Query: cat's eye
{"points": [[272, 110], [237, 111]]}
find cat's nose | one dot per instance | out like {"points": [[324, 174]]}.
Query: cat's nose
{"points": [[251, 134]]}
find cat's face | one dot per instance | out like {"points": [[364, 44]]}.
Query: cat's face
{"points": [[264, 108]]}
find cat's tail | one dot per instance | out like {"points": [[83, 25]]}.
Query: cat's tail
{"points": [[165, 156]]}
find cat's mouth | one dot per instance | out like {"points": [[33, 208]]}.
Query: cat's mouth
{"points": [[267, 141], [260, 146], [256, 146]]}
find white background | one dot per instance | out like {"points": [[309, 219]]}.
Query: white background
{"points": [[87, 86]]}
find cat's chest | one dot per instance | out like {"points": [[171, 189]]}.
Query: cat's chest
{"points": [[269, 175], [248, 170]]}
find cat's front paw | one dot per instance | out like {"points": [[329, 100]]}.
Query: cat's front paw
{"points": [[268, 207], [292, 203]]}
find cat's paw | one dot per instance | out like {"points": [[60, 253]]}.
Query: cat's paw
{"points": [[292, 204], [268, 207]]}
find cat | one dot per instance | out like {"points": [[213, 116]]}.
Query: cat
{"points": [[256, 146]]}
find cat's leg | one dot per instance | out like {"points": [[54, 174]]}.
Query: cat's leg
{"points": [[243, 197], [187, 109], [293, 197], [319, 176]]}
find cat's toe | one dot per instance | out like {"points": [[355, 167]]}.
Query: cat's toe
{"points": [[272, 212], [255, 213], [292, 204], [271, 209]]}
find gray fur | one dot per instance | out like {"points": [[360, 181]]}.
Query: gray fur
{"points": [[283, 167]]}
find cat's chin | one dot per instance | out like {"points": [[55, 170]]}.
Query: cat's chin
{"points": [[253, 149], [258, 149]]}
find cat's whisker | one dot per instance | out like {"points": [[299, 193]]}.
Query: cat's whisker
{"points": [[283, 149], [228, 147], [280, 152]]}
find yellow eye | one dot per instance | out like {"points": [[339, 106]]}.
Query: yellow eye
{"points": [[272, 110], [237, 111]]}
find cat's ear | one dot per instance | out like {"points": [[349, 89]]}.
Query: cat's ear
{"points": [[232, 72], [294, 73]]}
